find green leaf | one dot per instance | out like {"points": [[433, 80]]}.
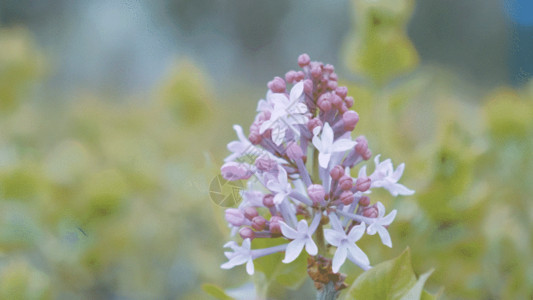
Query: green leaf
{"points": [[273, 273], [216, 291], [393, 279], [416, 291]]}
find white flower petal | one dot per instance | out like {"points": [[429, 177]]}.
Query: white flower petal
{"points": [[297, 91], [311, 247], [288, 231], [358, 255], [387, 220], [278, 199], [323, 159], [334, 237], [356, 233], [385, 236], [398, 172], [339, 258], [250, 267], [294, 249], [302, 227], [343, 145], [327, 135]]}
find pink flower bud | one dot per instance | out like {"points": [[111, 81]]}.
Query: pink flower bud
{"points": [[250, 212], [346, 197], [277, 85], [274, 226], [314, 123], [364, 201], [362, 145], [332, 85], [362, 184], [303, 60], [265, 163], [289, 76], [294, 151], [255, 138], [247, 233], [336, 172], [371, 211], [324, 102], [316, 193], [350, 119], [336, 101], [235, 217], [258, 223], [346, 182], [329, 68], [299, 76], [342, 91], [367, 155], [308, 86], [333, 77], [316, 71], [268, 200], [343, 108], [235, 171], [349, 101]]}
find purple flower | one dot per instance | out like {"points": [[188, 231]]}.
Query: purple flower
{"points": [[302, 154]]}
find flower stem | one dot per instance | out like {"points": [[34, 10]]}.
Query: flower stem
{"points": [[328, 292]]}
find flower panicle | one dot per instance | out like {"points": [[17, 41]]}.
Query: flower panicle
{"points": [[298, 158]]}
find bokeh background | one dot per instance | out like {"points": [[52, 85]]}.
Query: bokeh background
{"points": [[115, 115]]}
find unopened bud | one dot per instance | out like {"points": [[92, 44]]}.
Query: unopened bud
{"points": [[364, 201], [324, 102], [289, 76], [349, 101], [342, 91], [277, 85], [265, 163], [250, 212], [294, 151], [258, 223], [346, 182], [268, 200], [316, 193], [371, 212], [350, 119], [274, 226], [336, 172], [313, 123], [247, 233], [303, 60], [235, 216], [346, 197], [362, 184]]}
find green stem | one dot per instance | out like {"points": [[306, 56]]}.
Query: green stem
{"points": [[328, 292]]}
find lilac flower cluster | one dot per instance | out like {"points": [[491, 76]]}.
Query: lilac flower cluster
{"points": [[312, 203]]}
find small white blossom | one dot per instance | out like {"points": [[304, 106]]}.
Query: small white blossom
{"points": [[284, 113], [386, 177], [379, 223], [300, 238], [279, 185], [241, 147], [240, 255], [326, 146], [346, 247]]}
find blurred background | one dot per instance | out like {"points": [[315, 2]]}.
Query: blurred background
{"points": [[115, 116]]}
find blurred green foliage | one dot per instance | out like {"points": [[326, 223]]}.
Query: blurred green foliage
{"points": [[109, 199]]}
